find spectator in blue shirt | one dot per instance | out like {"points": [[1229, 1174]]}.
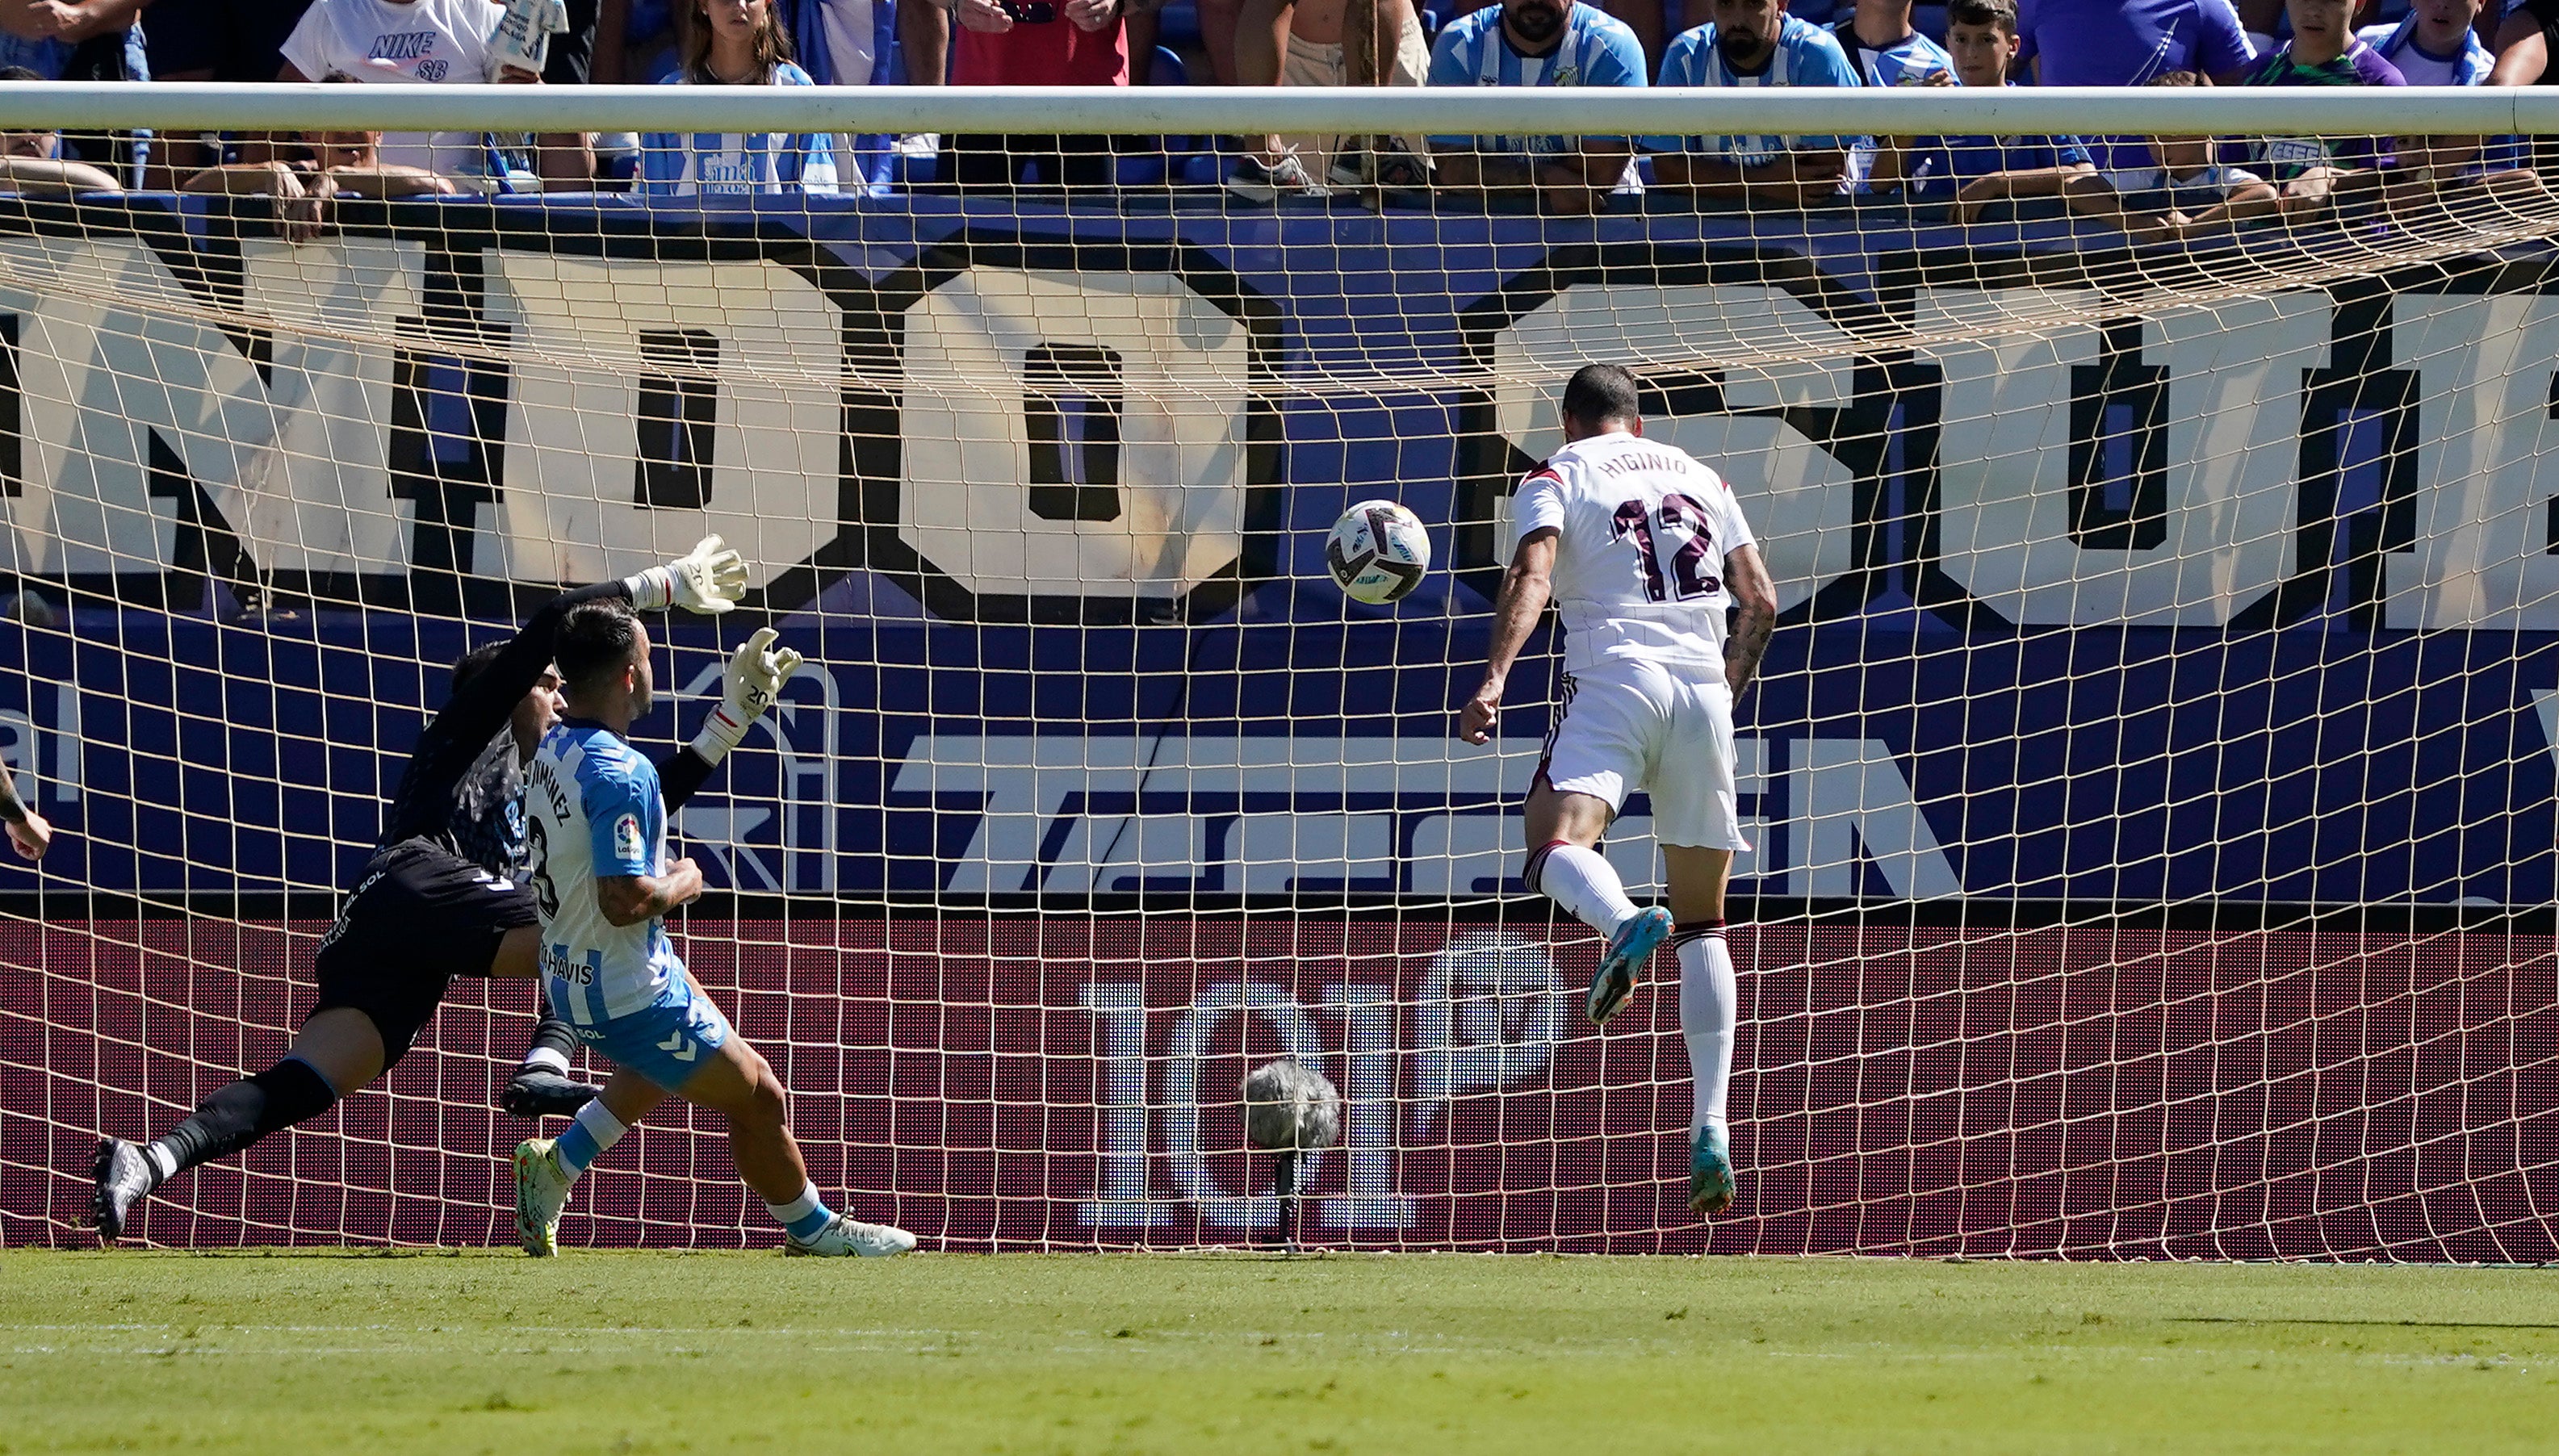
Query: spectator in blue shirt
{"points": [[2435, 45], [1755, 43], [1538, 43], [1975, 171], [1885, 50], [738, 43]]}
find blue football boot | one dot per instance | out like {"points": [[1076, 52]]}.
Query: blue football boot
{"points": [[1632, 946], [1709, 1170]]}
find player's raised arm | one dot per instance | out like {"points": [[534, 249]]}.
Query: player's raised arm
{"points": [[1754, 616], [29, 831], [1526, 585]]}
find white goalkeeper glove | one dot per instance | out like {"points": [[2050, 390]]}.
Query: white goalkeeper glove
{"points": [[522, 40], [756, 672], [709, 581]]}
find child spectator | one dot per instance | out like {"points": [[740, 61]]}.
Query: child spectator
{"points": [[736, 43], [1885, 51], [1755, 43], [2437, 44], [2128, 43], [2182, 174], [2323, 52], [1538, 43], [430, 42], [1981, 36], [341, 163]]}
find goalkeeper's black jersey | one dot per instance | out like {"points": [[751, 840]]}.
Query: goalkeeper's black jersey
{"points": [[463, 787]]}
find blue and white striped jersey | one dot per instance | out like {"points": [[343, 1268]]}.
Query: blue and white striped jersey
{"points": [[1598, 50], [1805, 56], [1908, 62], [593, 810], [717, 164]]}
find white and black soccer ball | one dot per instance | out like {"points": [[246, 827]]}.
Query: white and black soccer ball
{"points": [[1378, 551]]}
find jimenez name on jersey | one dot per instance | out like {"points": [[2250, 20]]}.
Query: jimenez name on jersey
{"points": [[596, 812]]}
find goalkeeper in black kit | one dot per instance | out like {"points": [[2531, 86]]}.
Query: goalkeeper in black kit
{"points": [[445, 893]]}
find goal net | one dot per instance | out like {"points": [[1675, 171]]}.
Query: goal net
{"points": [[2151, 784]]}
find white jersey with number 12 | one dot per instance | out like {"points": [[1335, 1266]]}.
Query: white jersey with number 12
{"points": [[1643, 531]]}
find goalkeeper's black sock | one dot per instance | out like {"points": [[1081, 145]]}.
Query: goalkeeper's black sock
{"points": [[239, 1114], [541, 1087], [551, 1044]]}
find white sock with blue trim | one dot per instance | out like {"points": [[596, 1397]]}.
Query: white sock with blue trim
{"points": [[802, 1216], [588, 1138]]}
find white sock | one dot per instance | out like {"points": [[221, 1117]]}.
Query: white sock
{"points": [[1709, 1003], [1584, 883], [806, 1216]]}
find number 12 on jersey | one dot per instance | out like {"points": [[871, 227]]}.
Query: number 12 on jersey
{"points": [[1678, 526]]}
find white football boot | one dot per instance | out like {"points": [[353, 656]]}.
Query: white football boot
{"points": [[843, 1236], [541, 1191]]}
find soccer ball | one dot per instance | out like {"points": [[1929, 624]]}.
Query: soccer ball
{"points": [[1378, 551]]}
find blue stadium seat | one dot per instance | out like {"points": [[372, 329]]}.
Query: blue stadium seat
{"points": [[1177, 26], [1180, 161]]}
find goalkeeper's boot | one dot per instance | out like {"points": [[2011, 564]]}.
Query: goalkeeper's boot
{"points": [[124, 1176], [541, 1191], [536, 1092], [1628, 949], [842, 1237], [1709, 1169]]}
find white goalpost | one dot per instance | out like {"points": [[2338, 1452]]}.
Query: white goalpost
{"points": [[2153, 787]]}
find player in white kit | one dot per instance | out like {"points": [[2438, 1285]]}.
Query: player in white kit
{"points": [[1644, 551]]}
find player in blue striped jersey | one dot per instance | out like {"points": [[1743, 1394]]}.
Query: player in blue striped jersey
{"points": [[603, 883], [443, 895], [1538, 43]]}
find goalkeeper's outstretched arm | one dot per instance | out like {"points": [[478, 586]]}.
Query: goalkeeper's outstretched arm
{"points": [[708, 580]]}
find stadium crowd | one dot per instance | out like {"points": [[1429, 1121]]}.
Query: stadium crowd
{"points": [[2153, 188]]}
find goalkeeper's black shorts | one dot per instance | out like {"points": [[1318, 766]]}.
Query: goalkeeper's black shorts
{"points": [[421, 915]]}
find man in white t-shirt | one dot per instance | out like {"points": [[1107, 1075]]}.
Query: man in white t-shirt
{"points": [[412, 42], [1643, 550]]}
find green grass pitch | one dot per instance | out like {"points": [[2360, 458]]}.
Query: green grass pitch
{"points": [[668, 1353]]}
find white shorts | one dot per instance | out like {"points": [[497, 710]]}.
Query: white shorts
{"points": [[1314, 64], [1635, 725]]}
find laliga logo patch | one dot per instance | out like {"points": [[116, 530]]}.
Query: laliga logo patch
{"points": [[626, 837]]}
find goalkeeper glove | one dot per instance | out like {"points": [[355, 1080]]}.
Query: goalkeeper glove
{"points": [[709, 581], [756, 674]]}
